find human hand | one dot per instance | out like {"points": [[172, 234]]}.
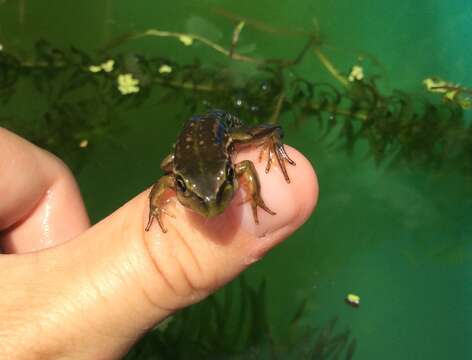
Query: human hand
{"points": [[73, 291]]}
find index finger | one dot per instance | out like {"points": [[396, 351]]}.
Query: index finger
{"points": [[41, 204]]}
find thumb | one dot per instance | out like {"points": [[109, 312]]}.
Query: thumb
{"points": [[115, 281]]}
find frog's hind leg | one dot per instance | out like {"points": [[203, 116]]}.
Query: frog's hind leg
{"points": [[247, 171], [156, 201], [269, 137]]}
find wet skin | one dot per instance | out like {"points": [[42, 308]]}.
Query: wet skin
{"points": [[200, 169]]}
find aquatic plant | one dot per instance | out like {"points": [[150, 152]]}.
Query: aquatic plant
{"points": [[454, 93], [79, 97], [82, 96], [235, 325]]}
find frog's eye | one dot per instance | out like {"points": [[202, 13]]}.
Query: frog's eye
{"points": [[180, 184], [229, 173]]}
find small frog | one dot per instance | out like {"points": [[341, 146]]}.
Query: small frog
{"points": [[201, 171]]}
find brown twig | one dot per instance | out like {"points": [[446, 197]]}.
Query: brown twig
{"points": [[259, 25], [330, 67], [274, 118], [234, 40]]}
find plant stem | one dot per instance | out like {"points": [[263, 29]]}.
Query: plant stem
{"points": [[217, 47], [330, 67], [277, 109], [203, 40], [260, 25], [339, 111], [186, 85]]}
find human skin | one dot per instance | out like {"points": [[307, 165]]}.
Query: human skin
{"points": [[71, 291]]}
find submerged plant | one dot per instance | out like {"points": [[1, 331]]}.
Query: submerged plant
{"points": [[454, 93], [83, 94], [235, 326]]}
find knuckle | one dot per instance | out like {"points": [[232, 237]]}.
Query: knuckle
{"points": [[176, 278]]}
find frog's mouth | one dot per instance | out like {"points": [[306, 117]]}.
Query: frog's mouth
{"points": [[210, 210], [214, 206], [210, 206]]}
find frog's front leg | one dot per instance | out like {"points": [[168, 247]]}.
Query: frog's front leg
{"points": [[270, 138], [247, 171], [156, 205]]}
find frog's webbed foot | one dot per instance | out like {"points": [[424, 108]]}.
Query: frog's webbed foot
{"points": [[269, 137], [247, 171], [156, 201], [273, 145]]}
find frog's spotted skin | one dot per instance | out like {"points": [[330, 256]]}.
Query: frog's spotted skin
{"points": [[200, 169]]}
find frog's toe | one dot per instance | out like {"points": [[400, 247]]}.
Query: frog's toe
{"points": [[272, 147], [157, 214], [150, 221], [283, 154], [161, 224], [283, 157], [258, 202], [266, 209]]}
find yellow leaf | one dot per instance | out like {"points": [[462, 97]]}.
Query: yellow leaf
{"points": [[353, 299], [127, 84], [108, 66], [186, 40], [95, 68], [165, 69]]}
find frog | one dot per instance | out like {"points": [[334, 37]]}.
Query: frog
{"points": [[201, 172]]}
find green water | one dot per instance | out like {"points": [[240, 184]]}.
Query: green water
{"points": [[401, 239]]}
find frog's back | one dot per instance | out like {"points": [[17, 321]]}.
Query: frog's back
{"points": [[202, 146]]}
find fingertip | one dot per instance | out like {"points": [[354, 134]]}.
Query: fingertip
{"points": [[307, 187], [292, 202]]}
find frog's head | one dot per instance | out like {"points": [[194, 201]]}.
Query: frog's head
{"points": [[207, 195]]}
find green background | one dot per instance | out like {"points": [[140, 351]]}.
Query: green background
{"points": [[400, 238]]}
